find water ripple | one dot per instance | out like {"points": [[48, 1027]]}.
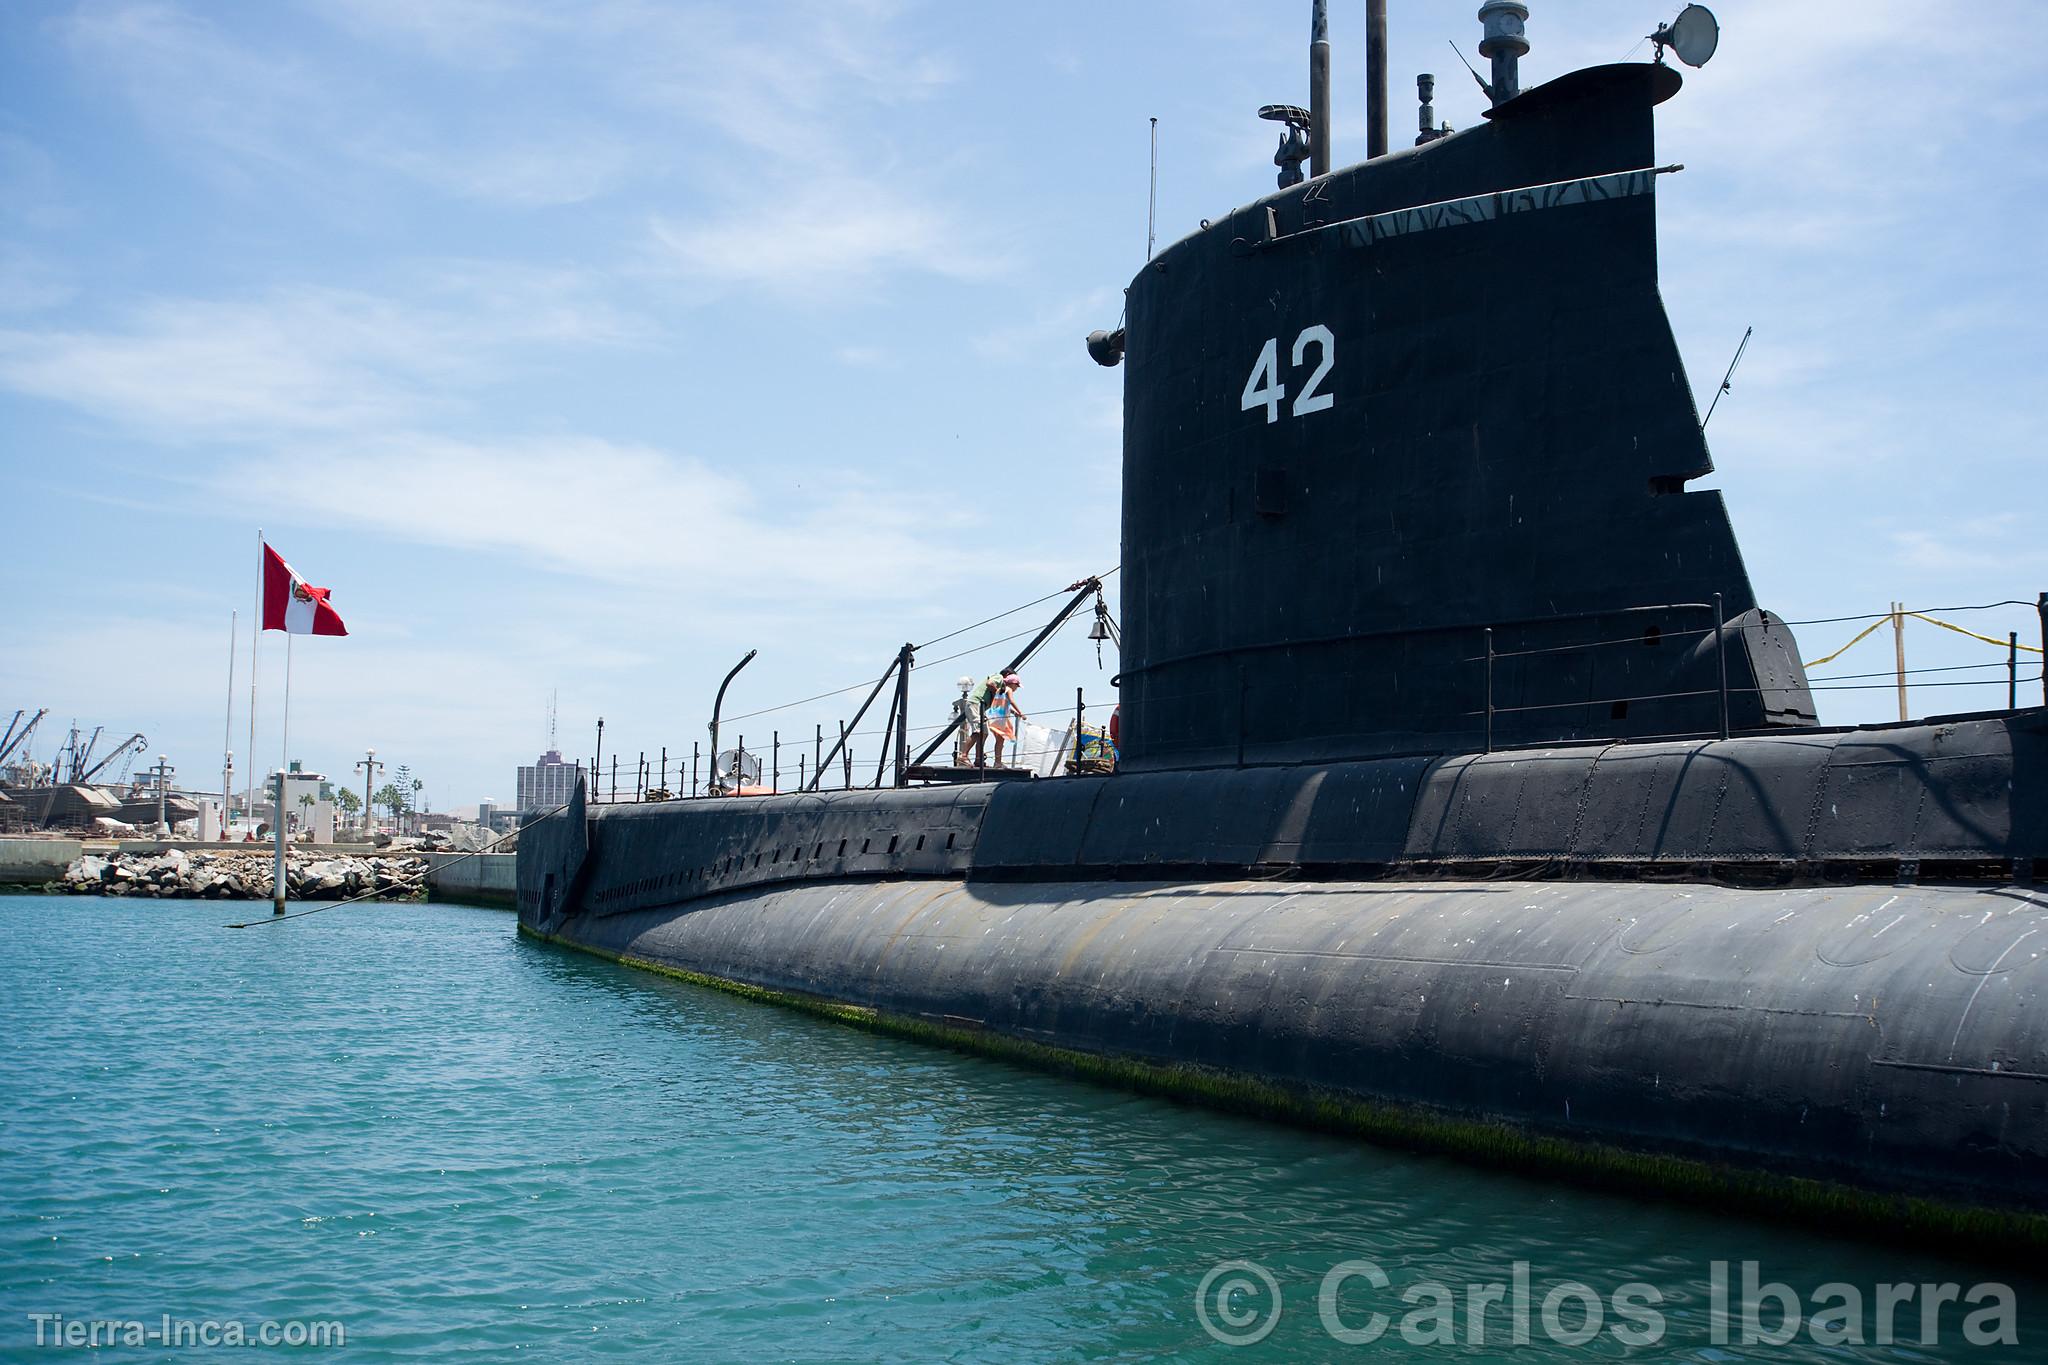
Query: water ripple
{"points": [[407, 1120]]}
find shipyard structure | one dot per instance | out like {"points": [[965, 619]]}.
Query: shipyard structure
{"points": [[1468, 795]]}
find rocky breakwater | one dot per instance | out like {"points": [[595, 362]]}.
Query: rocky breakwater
{"points": [[175, 874]]}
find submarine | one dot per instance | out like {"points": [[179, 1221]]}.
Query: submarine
{"points": [[1468, 799]]}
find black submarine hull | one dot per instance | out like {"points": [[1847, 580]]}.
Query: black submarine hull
{"points": [[1363, 934]]}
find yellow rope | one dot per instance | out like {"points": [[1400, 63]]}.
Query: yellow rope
{"points": [[1867, 631], [1861, 636], [1945, 625]]}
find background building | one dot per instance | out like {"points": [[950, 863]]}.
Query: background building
{"points": [[496, 818], [547, 783]]}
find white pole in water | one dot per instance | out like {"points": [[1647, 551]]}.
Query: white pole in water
{"points": [[227, 734], [163, 790], [284, 746], [277, 833]]}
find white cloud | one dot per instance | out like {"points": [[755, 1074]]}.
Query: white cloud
{"points": [[29, 284], [485, 34], [536, 165], [188, 367], [819, 238], [303, 360], [31, 190], [611, 510], [189, 82], [791, 88], [252, 113], [1997, 545], [1053, 333]]}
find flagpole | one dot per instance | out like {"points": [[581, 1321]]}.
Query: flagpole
{"points": [[284, 756], [255, 640], [227, 732]]}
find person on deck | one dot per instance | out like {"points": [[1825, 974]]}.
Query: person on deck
{"points": [[993, 704]]}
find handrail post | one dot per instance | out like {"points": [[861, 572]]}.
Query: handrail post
{"points": [[1721, 664], [845, 728], [2012, 670], [695, 754], [664, 767], [1079, 708], [775, 761], [1489, 689], [2041, 606]]}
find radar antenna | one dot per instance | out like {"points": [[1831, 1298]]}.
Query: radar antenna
{"points": [[1485, 89], [1152, 196]]}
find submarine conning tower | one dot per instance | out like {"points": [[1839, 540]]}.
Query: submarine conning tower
{"points": [[1406, 449]]}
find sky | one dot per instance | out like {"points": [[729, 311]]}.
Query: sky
{"points": [[581, 348]]}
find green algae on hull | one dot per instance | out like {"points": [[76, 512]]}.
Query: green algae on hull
{"points": [[1962, 1229]]}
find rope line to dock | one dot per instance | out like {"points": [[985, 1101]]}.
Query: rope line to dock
{"points": [[379, 894]]}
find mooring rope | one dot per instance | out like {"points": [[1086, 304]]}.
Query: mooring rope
{"points": [[407, 882]]}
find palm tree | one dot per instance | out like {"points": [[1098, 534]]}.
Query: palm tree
{"points": [[349, 802], [306, 804]]}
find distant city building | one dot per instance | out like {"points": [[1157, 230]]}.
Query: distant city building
{"points": [[298, 784], [548, 783], [496, 818]]}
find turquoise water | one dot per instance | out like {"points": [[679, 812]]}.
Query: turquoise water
{"points": [[409, 1121]]}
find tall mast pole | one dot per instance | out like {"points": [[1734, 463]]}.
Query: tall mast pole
{"points": [[1319, 89], [1375, 78], [227, 735], [255, 640]]}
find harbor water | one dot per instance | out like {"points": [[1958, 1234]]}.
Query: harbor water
{"points": [[409, 1122]]}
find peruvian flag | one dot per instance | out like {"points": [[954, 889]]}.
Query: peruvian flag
{"points": [[293, 605]]}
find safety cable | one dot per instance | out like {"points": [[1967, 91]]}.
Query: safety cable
{"points": [[407, 882], [869, 682]]}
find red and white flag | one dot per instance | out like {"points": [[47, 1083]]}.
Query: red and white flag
{"points": [[293, 605]]}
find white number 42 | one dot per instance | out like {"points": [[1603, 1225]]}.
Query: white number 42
{"points": [[1263, 388]]}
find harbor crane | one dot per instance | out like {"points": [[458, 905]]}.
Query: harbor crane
{"points": [[81, 754], [15, 739], [132, 745]]}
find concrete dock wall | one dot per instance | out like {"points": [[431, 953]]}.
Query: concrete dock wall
{"points": [[31, 862], [473, 878]]}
